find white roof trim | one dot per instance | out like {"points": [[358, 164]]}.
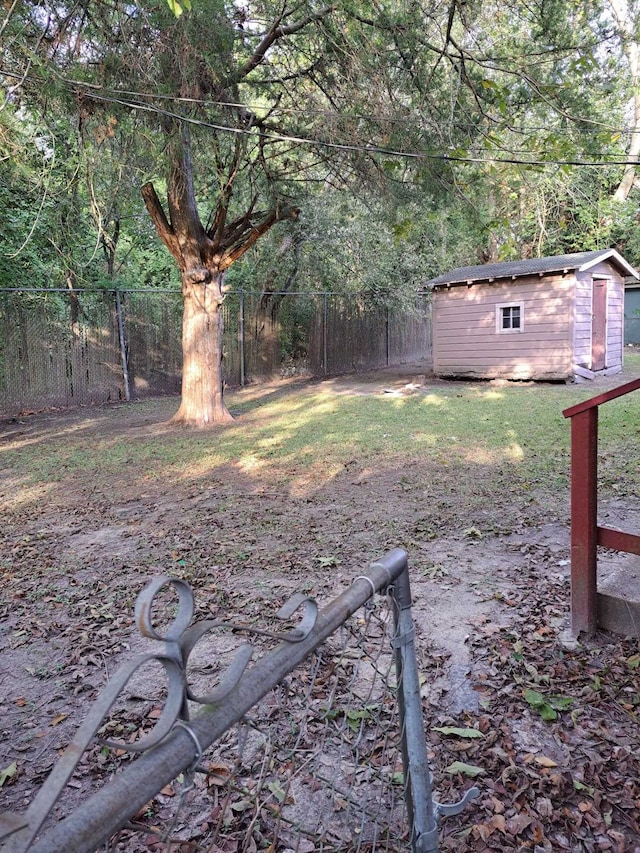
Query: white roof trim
{"points": [[617, 257]]}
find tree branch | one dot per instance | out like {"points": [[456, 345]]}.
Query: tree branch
{"points": [[216, 231], [160, 221], [252, 233], [275, 32]]}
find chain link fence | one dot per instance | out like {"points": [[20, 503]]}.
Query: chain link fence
{"points": [[317, 746], [316, 765], [60, 348]]}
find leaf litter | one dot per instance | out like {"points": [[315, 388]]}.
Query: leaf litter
{"points": [[555, 743]]}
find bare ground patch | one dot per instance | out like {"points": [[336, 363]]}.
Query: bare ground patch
{"points": [[489, 569]]}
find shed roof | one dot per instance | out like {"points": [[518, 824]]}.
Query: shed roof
{"points": [[578, 261]]}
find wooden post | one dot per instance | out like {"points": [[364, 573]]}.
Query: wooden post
{"points": [[325, 320], [387, 329], [584, 522], [585, 533], [241, 341]]}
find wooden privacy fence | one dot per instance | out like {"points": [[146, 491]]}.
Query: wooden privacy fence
{"points": [[59, 349]]}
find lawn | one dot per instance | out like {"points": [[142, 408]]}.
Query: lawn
{"points": [[313, 481]]}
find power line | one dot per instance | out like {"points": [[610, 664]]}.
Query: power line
{"points": [[362, 148], [201, 102], [370, 149], [289, 110]]}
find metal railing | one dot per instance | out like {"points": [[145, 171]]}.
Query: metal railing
{"points": [[346, 692], [586, 534]]}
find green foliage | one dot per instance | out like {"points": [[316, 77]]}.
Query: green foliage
{"points": [[458, 732], [8, 773], [179, 7], [464, 769], [295, 317], [22, 263], [548, 706], [367, 86]]}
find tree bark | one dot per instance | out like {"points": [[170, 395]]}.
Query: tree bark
{"points": [[627, 22], [202, 261], [628, 179], [202, 402]]}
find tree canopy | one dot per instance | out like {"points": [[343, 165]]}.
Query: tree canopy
{"points": [[464, 105], [385, 140]]}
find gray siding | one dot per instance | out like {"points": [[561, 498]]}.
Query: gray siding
{"points": [[632, 315], [615, 324], [582, 320]]}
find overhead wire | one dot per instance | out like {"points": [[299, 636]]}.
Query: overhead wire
{"points": [[368, 148], [357, 147], [286, 110]]}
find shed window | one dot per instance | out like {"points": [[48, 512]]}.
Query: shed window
{"points": [[510, 317]]}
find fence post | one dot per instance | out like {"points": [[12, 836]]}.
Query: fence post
{"points": [[417, 775], [325, 316], [388, 334], [584, 522], [123, 348], [423, 811], [241, 339]]}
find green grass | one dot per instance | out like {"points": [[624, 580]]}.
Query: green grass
{"points": [[481, 425]]}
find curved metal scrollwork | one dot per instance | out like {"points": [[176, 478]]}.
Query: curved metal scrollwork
{"points": [[144, 609], [179, 638]]}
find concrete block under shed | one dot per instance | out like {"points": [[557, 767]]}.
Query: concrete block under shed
{"points": [[619, 596]]}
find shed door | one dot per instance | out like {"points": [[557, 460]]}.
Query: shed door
{"points": [[599, 324]]}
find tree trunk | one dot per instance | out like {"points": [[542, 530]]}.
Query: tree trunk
{"points": [[202, 275], [202, 257], [626, 18], [633, 152], [202, 401]]}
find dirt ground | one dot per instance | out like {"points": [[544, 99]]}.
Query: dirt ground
{"points": [[489, 578]]}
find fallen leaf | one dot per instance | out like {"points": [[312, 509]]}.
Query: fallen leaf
{"points": [[8, 773], [453, 730], [518, 823], [544, 761], [466, 769], [498, 822]]}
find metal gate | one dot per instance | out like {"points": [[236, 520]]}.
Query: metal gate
{"points": [[345, 768]]}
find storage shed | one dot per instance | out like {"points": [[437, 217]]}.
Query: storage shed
{"points": [[553, 318]]}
